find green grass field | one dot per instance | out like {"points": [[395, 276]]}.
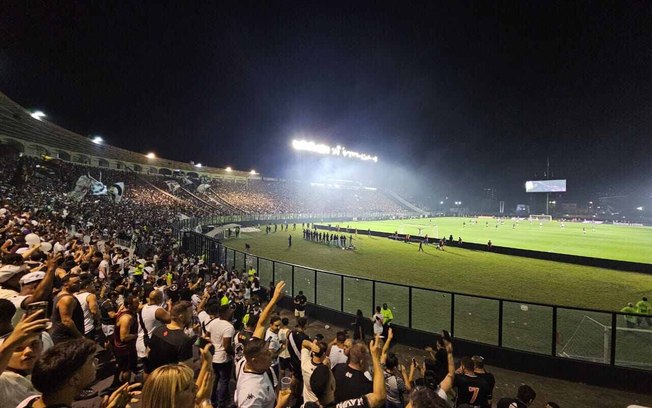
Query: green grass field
{"points": [[518, 280], [608, 241], [459, 270]]}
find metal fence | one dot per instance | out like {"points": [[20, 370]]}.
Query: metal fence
{"points": [[598, 336]]}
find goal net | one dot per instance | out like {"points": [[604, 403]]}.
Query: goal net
{"points": [[591, 341], [540, 217]]}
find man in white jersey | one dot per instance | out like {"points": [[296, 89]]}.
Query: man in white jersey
{"points": [[275, 346], [256, 382], [221, 331], [313, 354], [151, 316], [338, 351], [88, 302]]}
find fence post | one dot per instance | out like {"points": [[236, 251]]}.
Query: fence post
{"points": [[315, 287], [273, 272], [410, 307], [373, 296], [614, 323], [452, 314], [500, 323], [292, 280], [342, 293], [554, 331]]}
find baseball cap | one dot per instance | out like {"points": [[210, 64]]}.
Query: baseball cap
{"points": [[8, 271], [32, 277]]}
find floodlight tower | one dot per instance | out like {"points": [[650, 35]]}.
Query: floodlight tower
{"points": [[547, 175]]}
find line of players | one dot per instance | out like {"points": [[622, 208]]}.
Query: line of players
{"points": [[333, 239]]}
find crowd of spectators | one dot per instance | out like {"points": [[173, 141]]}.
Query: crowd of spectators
{"points": [[172, 329], [282, 197]]}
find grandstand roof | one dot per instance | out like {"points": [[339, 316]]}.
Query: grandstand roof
{"points": [[16, 122]]}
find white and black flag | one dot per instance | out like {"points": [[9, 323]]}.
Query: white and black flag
{"points": [[116, 191], [172, 185]]}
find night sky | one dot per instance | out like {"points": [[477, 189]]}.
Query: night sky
{"points": [[468, 95]]}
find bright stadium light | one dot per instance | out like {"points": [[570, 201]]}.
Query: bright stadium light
{"points": [[252, 172], [38, 115], [97, 140], [334, 151], [150, 155], [441, 203], [639, 208], [228, 169], [198, 165]]}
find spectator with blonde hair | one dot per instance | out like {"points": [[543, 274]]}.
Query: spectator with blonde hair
{"points": [[173, 385]]}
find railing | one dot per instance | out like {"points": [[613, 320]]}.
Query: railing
{"points": [[593, 335]]}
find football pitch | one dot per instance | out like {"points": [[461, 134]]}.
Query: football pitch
{"points": [[620, 242], [518, 280], [457, 270]]}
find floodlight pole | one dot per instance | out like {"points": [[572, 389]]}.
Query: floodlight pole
{"points": [[547, 178], [547, 201]]}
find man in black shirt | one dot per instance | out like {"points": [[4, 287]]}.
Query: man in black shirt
{"points": [[300, 302], [350, 378], [524, 398], [471, 389], [169, 344], [108, 310], [324, 386], [295, 340], [478, 369], [67, 313]]}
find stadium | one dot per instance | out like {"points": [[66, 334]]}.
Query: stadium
{"points": [[309, 206], [541, 288]]}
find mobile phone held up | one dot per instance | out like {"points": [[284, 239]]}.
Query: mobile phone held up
{"points": [[35, 307]]}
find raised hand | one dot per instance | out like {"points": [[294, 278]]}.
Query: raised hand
{"points": [[206, 387], [121, 397], [206, 355], [278, 291], [374, 346], [26, 327]]}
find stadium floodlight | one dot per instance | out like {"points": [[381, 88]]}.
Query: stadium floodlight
{"points": [[228, 169], [310, 147], [441, 203], [97, 140], [253, 172], [639, 208], [198, 165], [150, 155], [38, 115], [458, 203], [334, 151]]}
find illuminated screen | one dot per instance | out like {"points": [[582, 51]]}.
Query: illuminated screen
{"points": [[545, 186]]}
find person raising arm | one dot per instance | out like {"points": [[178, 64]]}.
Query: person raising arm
{"points": [[259, 332]]}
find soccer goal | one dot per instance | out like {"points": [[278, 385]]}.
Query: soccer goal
{"points": [[591, 341], [540, 217]]}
